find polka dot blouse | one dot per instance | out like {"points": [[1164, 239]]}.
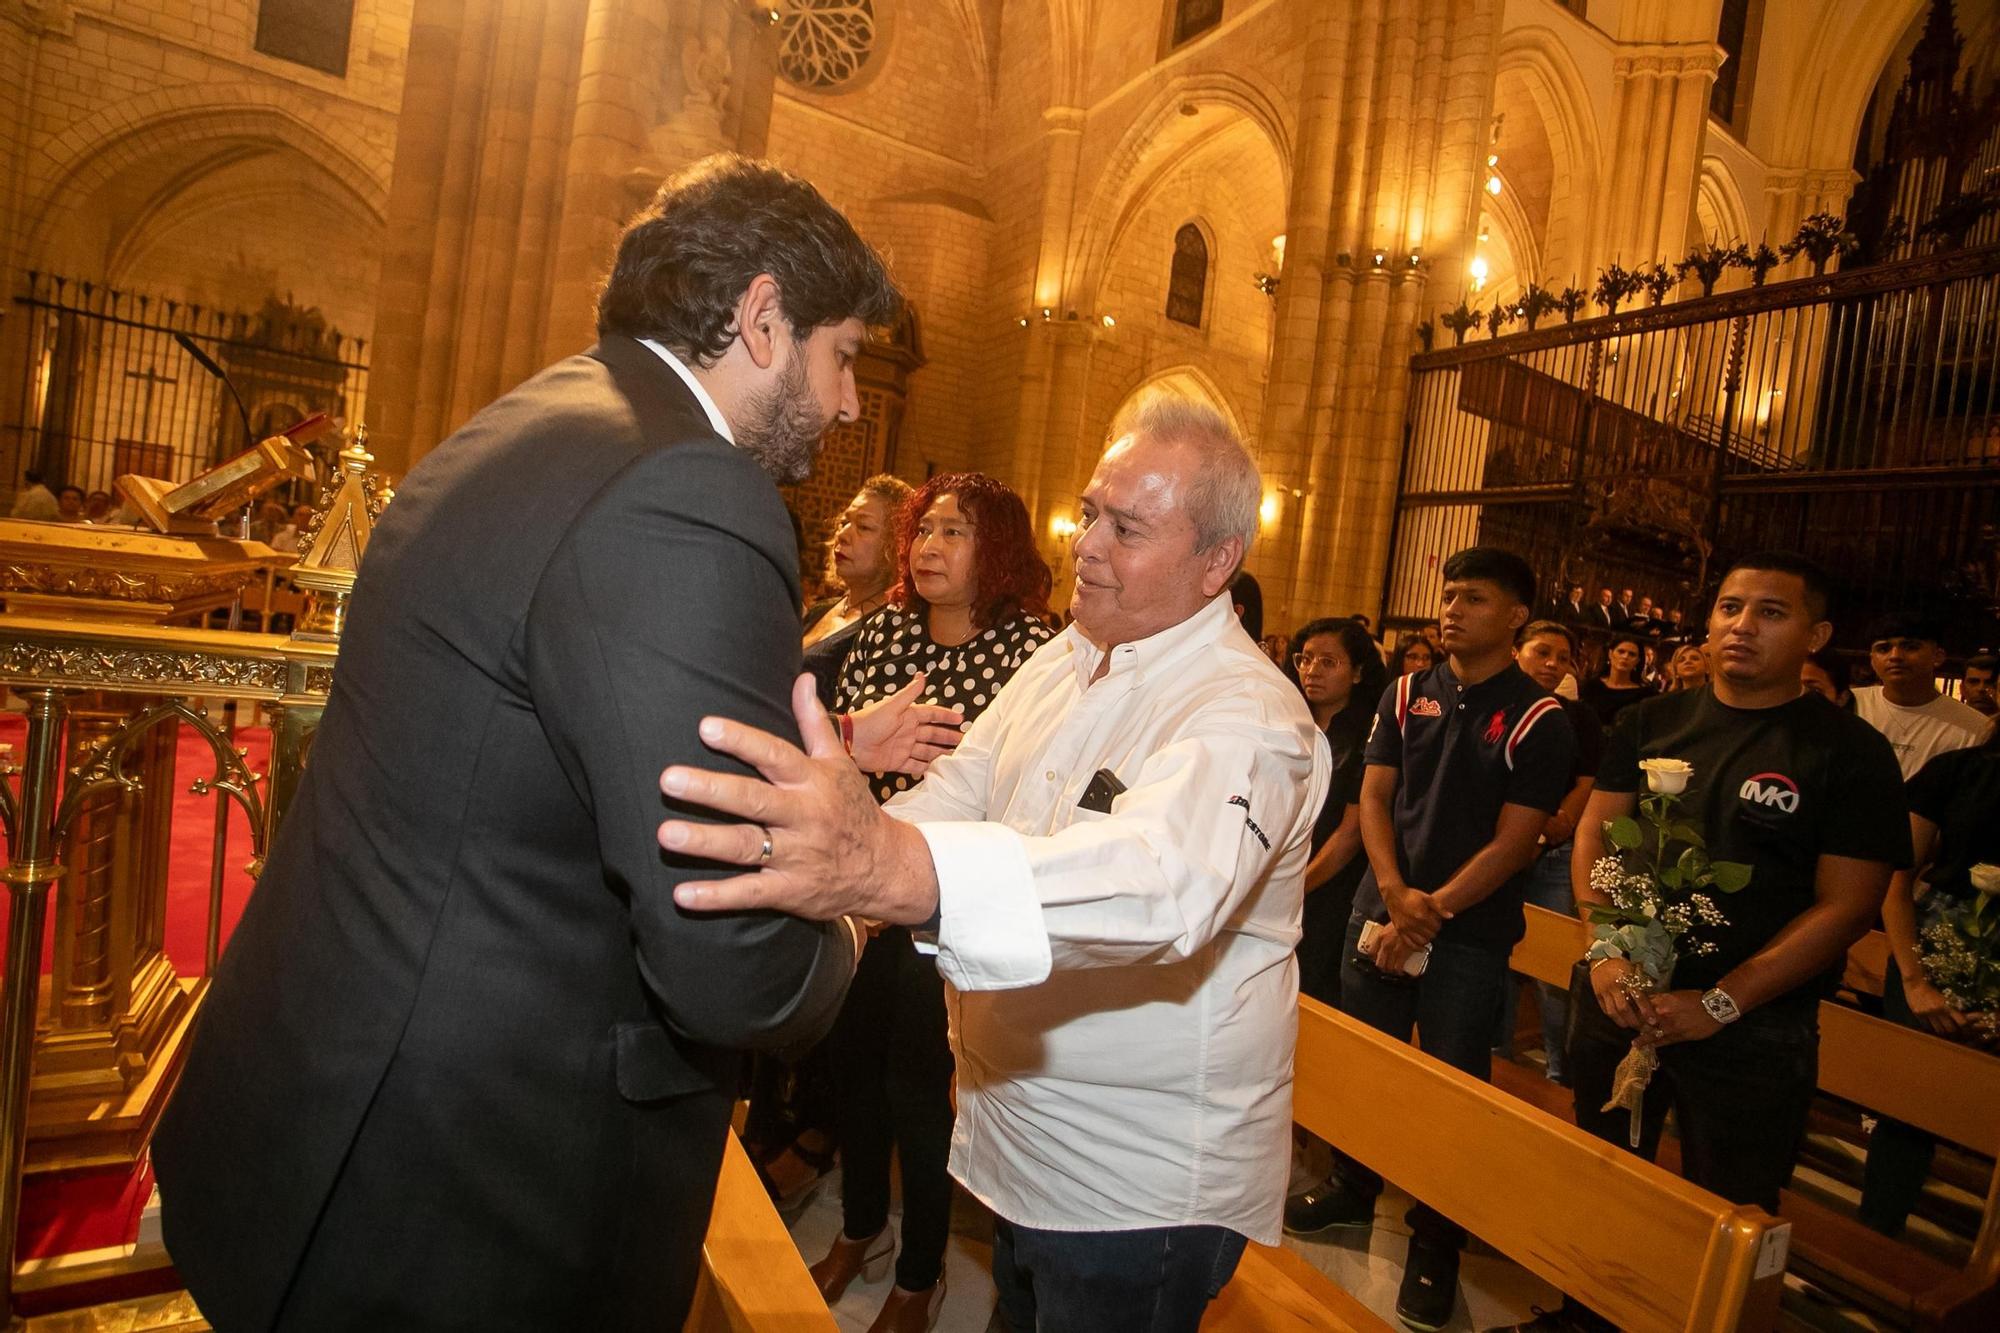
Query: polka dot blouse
{"points": [[896, 644]]}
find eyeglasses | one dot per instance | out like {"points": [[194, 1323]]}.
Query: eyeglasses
{"points": [[1304, 662]]}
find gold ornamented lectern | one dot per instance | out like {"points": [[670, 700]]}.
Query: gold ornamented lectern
{"points": [[99, 637]]}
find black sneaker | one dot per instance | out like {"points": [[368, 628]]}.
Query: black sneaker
{"points": [[1325, 1206], [1430, 1288], [1569, 1317]]}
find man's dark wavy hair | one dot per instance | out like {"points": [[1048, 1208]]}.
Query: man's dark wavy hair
{"points": [[684, 262]]}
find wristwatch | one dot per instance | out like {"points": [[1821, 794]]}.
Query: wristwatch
{"points": [[1720, 1007]]}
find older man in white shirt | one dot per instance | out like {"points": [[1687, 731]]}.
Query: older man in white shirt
{"points": [[1113, 864]]}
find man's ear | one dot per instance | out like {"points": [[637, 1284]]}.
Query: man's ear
{"points": [[1220, 565], [758, 320], [1821, 632]]}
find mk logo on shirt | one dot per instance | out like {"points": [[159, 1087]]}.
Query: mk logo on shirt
{"points": [[1425, 706], [1774, 790]]}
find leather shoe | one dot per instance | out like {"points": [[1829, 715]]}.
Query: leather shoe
{"points": [[910, 1311], [1325, 1206], [848, 1258]]}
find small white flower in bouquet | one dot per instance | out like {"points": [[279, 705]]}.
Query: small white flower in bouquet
{"points": [[1960, 948], [1660, 884]]}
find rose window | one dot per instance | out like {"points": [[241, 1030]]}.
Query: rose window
{"points": [[824, 43]]}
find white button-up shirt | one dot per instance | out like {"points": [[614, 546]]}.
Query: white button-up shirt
{"points": [[1124, 995]]}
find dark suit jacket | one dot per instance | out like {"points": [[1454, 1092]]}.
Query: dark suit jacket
{"points": [[464, 1064]]}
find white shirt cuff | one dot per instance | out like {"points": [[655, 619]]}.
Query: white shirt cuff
{"points": [[990, 930]]}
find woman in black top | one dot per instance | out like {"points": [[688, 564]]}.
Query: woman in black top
{"points": [[789, 1132], [1954, 826], [1621, 685], [861, 560], [1342, 677], [970, 607]]}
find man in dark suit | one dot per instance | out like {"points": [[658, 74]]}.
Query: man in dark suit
{"points": [[1603, 615], [1566, 607], [464, 1063]]}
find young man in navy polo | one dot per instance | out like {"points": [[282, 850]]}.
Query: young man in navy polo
{"points": [[1465, 765]]}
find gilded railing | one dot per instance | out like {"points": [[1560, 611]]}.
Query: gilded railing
{"points": [[108, 695]]}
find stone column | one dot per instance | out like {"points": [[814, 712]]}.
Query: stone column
{"points": [[529, 134], [1417, 97], [1044, 443], [1284, 445], [1662, 99], [485, 124]]}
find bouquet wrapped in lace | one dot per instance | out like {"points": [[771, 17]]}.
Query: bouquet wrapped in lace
{"points": [[1659, 884], [1960, 947]]}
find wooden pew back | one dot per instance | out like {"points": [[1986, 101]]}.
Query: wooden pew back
{"points": [[1939, 1086], [1645, 1248]]}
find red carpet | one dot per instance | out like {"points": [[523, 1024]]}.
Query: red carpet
{"points": [[87, 1210]]}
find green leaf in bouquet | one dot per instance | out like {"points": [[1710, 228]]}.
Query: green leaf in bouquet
{"points": [[1671, 877], [1682, 831], [1599, 914], [1730, 876], [1623, 833]]}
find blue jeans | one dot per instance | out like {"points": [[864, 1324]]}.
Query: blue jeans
{"points": [[1156, 1280], [1545, 885], [1453, 1008]]}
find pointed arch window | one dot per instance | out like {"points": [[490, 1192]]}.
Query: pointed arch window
{"points": [[1187, 282]]}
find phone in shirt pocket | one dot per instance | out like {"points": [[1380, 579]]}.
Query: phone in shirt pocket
{"points": [[1104, 788]]}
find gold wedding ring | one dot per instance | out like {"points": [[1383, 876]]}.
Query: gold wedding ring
{"points": [[764, 855]]}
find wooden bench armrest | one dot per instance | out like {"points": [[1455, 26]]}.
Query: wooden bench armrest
{"points": [[752, 1278]]}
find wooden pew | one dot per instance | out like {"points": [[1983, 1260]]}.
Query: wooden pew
{"points": [[1644, 1247], [1949, 1090], [752, 1278], [1277, 1291]]}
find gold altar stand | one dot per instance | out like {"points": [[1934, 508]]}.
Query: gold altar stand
{"points": [[113, 1009], [100, 638]]}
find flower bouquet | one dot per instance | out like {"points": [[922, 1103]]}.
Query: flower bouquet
{"points": [[1659, 884], [1960, 947]]}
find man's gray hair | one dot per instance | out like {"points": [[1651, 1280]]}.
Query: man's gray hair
{"points": [[1226, 490]]}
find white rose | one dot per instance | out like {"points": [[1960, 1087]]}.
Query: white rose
{"points": [[1668, 777], [1985, 877]]}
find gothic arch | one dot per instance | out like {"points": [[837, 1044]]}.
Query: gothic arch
{"points": [[1551, 79], [1183, 378], [1155, 142], [1719, 204], [1836, 78], [92, 153]]}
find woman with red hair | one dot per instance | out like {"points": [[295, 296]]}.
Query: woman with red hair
{"points": [[969, 606]]}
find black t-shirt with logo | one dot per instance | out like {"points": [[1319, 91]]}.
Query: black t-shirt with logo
{"points": [[1959, 791], [1774, 788], [1462, 752]]}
